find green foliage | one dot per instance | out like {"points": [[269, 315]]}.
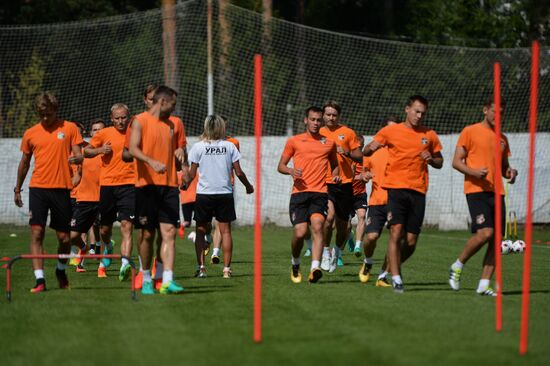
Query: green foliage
{"points": [[23, 88]]}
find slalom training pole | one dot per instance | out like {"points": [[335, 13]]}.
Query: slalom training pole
{"points": [[258, 200], [530, 186], [498, 198]]}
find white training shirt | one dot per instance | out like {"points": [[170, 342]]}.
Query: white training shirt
{"points": [[215, 160]]}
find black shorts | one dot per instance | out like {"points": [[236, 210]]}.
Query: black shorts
{"points": [[482, 210], [156, 205], [55, 200], [341, 196], [407, 207], [220, 206], [187, 210], [117, 203], [360, 201], [376, 218], [304, 204], [84, 216]]}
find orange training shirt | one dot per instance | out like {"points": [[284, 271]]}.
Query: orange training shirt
{"points": [[345, 138], [190, 194], [157, 143], [51, 148], [405, 168], [376, 164], [312, 155], [88, 189], [479, 143], [359, 186], [114, 171], [180, 140]]}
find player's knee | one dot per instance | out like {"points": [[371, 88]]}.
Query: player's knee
{"points": [[372, 237], [485, 234]]}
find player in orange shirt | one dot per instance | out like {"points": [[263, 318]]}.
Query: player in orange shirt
{"points": [[475, 158], [117, 192], [411, 148], [86, 209], [157, 203], [51, 141], [312, 155], [340, 196], [361, 177], [377, 211]]}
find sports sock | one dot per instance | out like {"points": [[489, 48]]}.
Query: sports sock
{"points": [[39, 273], [159, 271], [124, 262], [167, 277], [382, 275], [146, 275], [315, 264], [457, 265], [140, 264], [337, 251], [295, 261], [397, 279], [208, 239], [109, 245], [216, 252], [61, 266], [367, 260], [83, 246], [358, 243], [97, 247], [483, 285], [101, 265], [308, 243]]}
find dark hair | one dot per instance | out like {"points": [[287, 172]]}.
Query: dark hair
{"points": [[417, 98], [490, 101], [45, 101], [332, 104], [314, 109], [149, 88], [81, 126], [95, 121], [164, 91], [390, 118]]}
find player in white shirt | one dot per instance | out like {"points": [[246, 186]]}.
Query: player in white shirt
{"points": [[215, 158]]}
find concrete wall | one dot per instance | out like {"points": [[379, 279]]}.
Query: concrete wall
{"points": [[446, 204]]}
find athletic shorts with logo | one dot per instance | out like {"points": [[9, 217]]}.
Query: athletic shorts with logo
{"points": [[117, 203], [84, 216], [304, 204], [219, 206], [341, 196], [360, 201], [55, 200], [156, 205], [482, 210], [407, 207], [376, 218]]}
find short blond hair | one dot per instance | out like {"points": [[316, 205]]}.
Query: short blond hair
{"points": [[214, 128]]}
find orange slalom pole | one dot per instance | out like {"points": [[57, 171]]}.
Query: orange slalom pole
{"points": [[498, 202], [524, 330], [258, 200]]}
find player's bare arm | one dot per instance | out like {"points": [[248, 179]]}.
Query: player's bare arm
{"points": [[189, 174], [126, 156], [371, 147], [508, 172], [335, 171], [76, 157], [22, 170], [135, 150], [242, 177], [77, 176], [460, 165], [435, 160], [283, 168], [91, 151]]}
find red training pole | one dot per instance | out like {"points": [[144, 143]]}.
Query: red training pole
{"points": [[258, 200], [530, 186], [498, 199]]}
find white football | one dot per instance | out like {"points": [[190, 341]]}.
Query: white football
{"points": [[506, 246], [518, 246], [191, 236]]}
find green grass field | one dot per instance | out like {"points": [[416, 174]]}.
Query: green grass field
{"points": [[337, 321]]}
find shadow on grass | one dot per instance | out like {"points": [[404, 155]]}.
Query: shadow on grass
{"points": [[516, 293]]}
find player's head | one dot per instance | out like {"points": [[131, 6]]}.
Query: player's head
{"points": [[46, 106], [119, 116], [166, 98], [214, 128], [148, 94], [331, 113], [313, 119], [389, 120], [80, 127], [416, 109], [489, 109], [361, 139], [96, 125]]}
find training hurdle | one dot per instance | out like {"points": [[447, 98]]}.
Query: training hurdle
{"points": [[12, 260]]}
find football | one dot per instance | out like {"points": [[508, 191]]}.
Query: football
{"points": [[506, 246], [191, 236], [518, 246]]}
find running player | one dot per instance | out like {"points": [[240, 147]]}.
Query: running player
{"points": [[411, 148], [340, 196], [361, 177], [312, 155], [51, 141], [117, 192], [157, 204], [215, 158], [86, 209], [475, 158]]}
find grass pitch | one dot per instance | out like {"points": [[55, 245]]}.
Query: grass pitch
{"points": [[337, 321]]}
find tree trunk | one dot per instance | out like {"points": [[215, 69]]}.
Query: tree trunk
{"points": [[169, 43]]}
